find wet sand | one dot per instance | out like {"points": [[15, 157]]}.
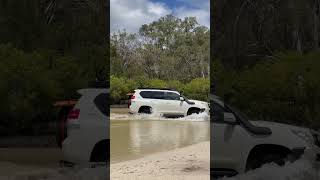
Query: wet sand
{"points": [[32, 156], [188, 163], [14, 161]]}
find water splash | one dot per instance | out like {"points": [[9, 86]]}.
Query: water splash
{"points": [[158, 116], [302, 169]]}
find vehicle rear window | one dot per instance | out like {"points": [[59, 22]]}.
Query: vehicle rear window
{"points": [[152, 94], [102, 103]]}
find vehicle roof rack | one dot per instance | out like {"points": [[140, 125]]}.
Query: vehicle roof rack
{"points": [[170, 89]]}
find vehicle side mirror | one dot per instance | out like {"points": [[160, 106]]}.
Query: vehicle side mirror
{"points": [[181, 98], [229, 118]]}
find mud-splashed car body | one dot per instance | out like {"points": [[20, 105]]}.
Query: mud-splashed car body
{"points": [[239, 145], [83, 128], [167, 102]]}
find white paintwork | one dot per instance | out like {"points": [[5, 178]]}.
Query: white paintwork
{"points": [[231, 144], [90, 128], [163, 106]]}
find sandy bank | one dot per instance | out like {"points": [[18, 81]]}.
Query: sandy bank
{"points": [[188, 163]]}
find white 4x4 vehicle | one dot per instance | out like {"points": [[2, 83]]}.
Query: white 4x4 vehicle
{"points": [[167, 102], [84, 130], [239, 145]]}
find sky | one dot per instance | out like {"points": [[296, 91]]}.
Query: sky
{"points": [[131, 14]]}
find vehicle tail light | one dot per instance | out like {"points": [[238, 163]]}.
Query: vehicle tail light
{"points": [[74, 114], [61, 125], [129, 101]]}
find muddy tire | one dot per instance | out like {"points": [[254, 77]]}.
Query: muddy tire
{"points": [[193, 111], [258, 161], [145, 110], [100, 152]]}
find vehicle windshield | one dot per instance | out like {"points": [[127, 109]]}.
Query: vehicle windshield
{"points": [[185, 98], [238, 113]]}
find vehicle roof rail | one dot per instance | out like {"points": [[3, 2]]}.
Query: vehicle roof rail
{"points": [[170, 89]]}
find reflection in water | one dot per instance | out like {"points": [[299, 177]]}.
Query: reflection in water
{"points": [[131, 139]]}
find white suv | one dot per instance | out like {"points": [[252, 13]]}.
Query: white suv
{"points": [[84, 132], [239, 145], [167, 102]]}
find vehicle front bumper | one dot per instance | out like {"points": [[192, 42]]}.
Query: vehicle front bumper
{"points": [[318, 157], [297, 152], [206, 110], [312, 154]]}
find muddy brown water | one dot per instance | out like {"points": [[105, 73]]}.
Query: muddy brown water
{"points": [[133, 139]]}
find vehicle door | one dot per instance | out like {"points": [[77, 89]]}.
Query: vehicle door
{"points": [[228, 140], [173, 103], [158, 101]]}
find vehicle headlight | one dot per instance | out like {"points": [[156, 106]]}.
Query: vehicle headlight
{"points": [[304, 136]]}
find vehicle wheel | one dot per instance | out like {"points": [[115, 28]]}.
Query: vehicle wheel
{"points": [[100, 153], [193, 111], [258, 161], [100, 156], [145, 110]]}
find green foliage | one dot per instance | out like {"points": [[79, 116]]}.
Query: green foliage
{"points": [[246, 32], [118, 88], [285, 88], [168, 49], [174, 84], [28, 88], [42, 62], [167, 53], [156, 83], [198, 89], [32, 82]]}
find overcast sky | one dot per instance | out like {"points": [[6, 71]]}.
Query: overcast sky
{"points": [[131, 14]]}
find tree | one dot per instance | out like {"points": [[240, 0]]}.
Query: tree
{"points": [[169, 48]]}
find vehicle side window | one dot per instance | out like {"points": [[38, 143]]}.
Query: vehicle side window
{"points": [[102, 103], [158, 95], [146, 94], [172, 96], [217, 113], [152, 94]]}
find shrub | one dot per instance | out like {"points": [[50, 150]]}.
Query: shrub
{"points": [[285, 88], [198, 89]]}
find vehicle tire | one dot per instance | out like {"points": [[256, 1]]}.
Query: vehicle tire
{"points": [[100, 153], [100, 156], [145, 110], [193, 111], [258, 161]]}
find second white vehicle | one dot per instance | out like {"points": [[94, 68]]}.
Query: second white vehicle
{"points": [[239, 145], [167, 102], [83, 130]]}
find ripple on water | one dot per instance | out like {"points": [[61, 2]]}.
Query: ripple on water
{"points": [[157, 116]]}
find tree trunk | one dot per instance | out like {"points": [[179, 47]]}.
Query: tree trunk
{"points": [[236, 34], [297, 40], [316, 24]]}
